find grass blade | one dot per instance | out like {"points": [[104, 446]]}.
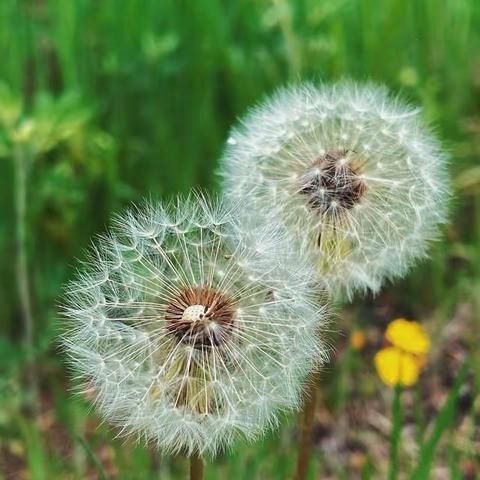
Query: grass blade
{"points": [[442, 422], [93, 458], [395, 434]]}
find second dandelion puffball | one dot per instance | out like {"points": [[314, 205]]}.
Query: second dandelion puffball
{"points": [[352, 174]]}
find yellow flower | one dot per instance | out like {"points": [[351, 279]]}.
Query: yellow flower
{"points": [[408, 336], [396, 367], [357, 340], [400, 363]]}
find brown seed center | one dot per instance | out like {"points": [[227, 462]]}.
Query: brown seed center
{"points": [[200, 317], [332, 183]]}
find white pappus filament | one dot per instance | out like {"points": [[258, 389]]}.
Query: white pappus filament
{"points": [[351, 174], [190, 331]]}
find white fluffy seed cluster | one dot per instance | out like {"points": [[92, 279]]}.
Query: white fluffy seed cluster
{"points": [[189, 332], [352, 174]]}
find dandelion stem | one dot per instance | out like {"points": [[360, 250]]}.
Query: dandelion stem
{"points": [[196, 467], [21, 160], [395, 434], [306, 426]]}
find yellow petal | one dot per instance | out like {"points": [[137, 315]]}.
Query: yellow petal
{"points": [[408, 336], [396, 367]]}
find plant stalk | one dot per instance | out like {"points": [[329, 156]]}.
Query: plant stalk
{"points": [[395, 434], [196, 467], [306, 426], [21, 165]]}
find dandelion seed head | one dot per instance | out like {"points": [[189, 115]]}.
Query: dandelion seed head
{"points": [[360, 186], [190, 330]]}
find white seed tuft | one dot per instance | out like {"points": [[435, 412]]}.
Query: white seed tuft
{"points": [[361, 186], [189, 330]]}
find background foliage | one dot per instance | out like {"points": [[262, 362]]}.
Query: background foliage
{"points": [[106, 102]]}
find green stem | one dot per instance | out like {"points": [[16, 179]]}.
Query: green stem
{"points": [[196, 467], [395, 434], [419, 415], [21, 163], [443, 421]]}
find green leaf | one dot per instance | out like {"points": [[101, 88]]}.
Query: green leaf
{"points": [[442, 422], [93, 458]]}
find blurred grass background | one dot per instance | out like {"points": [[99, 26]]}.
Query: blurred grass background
{"points": [[106, 102]]}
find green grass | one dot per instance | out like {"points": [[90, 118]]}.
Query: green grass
{"points": [[395, 435], [130, 99], [444, 418]]}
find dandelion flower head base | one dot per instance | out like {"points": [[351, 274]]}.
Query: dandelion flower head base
{"points": [[200, 317], [332, 183]]}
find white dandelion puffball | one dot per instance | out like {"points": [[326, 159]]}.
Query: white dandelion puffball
{"points": [[351, 174], [189, 332]]}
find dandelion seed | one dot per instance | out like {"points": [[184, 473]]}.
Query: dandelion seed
{"points": [[360, 185], [190, 331]]}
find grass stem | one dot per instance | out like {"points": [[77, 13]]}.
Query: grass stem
{"points": [[21, 163], [442, 422], [395, 434]]}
